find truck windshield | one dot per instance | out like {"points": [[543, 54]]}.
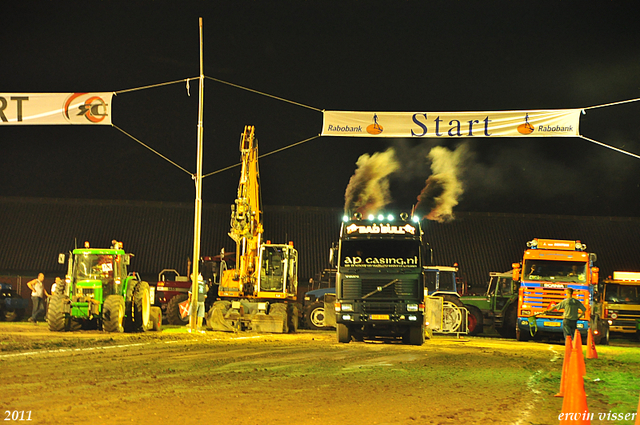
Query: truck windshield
{"points": [[622, 294], [380, 253], [557, 271]]}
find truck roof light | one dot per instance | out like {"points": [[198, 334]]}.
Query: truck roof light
{"points": [[345, 218], [415, 218], [390, 217], [370, 217], [380, 217]]}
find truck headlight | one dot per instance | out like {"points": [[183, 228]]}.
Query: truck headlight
{"points": [[347, 307], [526, 312], [346, 317], [412, 307], [580, 325], [412, 318]]}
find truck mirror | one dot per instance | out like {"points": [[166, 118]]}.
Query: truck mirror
{"points": [[593, 257], [594, 275], [125, 259], [332, 256], [61, 258], [516, 271]]}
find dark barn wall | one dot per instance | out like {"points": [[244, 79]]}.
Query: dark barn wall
{"points": [[34, 231]]}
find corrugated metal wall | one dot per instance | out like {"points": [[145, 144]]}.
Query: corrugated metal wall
{"points": [[481, 243], [34, 231]]}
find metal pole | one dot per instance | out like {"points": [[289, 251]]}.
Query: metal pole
{"points": [[198, 205]]}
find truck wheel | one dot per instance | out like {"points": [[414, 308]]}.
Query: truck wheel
{"points": [[522, 335], [344, 333], [55, 314], [173, 310], [476, 321], [603, 333], [314, 316], [155, 321], [113, 314], [414, 336], [138, 319]]}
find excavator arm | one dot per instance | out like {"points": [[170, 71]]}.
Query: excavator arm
{"points": [[246, 221]]}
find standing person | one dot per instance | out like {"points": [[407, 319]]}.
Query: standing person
{"points": [[58, 286], [573, 310], [202, 294], [37, 296]]}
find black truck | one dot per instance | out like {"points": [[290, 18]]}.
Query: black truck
{"points": [[379, 279]]}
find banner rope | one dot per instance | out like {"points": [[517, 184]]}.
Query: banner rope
{"points": [[154, 151], [156, 85], [262, 156], [610, 147], [613, 103], [264, 94]]}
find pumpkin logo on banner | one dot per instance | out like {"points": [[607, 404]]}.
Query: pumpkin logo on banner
{"points": [[80, 107], [525, 128], [375, 128]]}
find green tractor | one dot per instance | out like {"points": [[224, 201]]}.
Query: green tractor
{"points": [[498, 307], [98, 293]]}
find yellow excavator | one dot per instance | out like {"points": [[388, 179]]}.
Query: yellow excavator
{"points": [[259, 294]]}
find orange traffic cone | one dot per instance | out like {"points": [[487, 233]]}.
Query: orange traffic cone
{"points": [[574, 405], [568, 346], [591, 346], [638, 415], [577, 342]]}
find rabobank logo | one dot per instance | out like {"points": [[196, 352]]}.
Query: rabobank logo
{"points": [[375, 127], [82, 107], [525, 128]]}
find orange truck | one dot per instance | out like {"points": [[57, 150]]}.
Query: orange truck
{"points": [[548, 267], [619, 301]]}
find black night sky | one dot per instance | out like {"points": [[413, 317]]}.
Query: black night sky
{"points": [[342, 55]]}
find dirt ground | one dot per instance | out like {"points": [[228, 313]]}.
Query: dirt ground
{"points": [[260, 379]]}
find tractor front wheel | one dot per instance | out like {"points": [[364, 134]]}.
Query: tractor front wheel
{"points": [[113, 314], [55, 314]]}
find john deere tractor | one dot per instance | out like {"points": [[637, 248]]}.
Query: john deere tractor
{"points": [[99, 294]]}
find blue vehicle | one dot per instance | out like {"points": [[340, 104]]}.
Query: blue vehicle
{"points": [[12, 305], [315, 313]]}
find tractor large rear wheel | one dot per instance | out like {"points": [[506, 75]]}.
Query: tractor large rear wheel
{"points": [[55, 314], [138, 318], [476, 321], [509, 322], [173, 310], [113, 314]]}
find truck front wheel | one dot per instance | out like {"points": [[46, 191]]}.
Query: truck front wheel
{"points": [[344, 333], [414, 336]]}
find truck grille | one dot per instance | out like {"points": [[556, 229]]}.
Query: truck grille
{"points": [[403, 289], [378, 308]]}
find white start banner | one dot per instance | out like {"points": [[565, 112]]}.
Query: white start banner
{"points": [[55, 108], [535, 123]]}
